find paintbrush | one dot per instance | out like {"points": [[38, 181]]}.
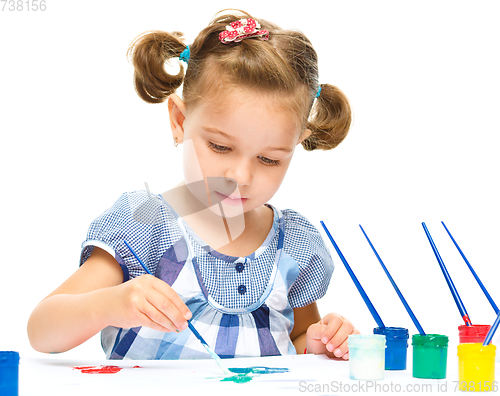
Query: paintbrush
{"points": [[492, 331], [495, 308], [216, 357], [367, 301], [453, 289], [408, 309]]}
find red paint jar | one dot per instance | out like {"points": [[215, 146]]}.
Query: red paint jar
{"points": [[472, 334]]}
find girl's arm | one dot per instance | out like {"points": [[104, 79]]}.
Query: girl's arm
{"points": [[303, 318], [95, 297], [327, 335]]}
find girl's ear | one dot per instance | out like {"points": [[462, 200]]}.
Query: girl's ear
{"points": [[304, 136], [177, 113]]}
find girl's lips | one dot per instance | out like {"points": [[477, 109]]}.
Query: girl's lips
{"points": [[231, 201]]}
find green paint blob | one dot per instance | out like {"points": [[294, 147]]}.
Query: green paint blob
{"points": [[245, 374], [238, 378]]}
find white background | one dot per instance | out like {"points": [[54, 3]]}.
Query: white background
{"points": [[423, 81]]}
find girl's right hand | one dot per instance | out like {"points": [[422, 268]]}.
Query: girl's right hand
{"points": [[95, 297], [147, 301]]}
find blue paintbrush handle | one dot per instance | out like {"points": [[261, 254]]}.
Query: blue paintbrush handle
{"points": [[447, 276], [492, 331], [195, 332], [408, 309], [137, 258], [367, 301], [495, 308]]}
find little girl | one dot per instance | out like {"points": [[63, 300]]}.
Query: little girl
{"points": [[246, 274]]}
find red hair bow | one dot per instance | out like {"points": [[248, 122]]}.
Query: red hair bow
{"points": [[242, 29]]}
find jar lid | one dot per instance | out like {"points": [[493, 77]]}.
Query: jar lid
{"points": [[476, 350], [474, 330], [9, 358], [392, 332], [366, 341], [436, 340]]}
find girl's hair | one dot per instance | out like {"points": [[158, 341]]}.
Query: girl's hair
{"points": [[286, 66]]}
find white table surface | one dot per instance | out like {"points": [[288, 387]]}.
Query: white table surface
{"points": [[308, 374]]}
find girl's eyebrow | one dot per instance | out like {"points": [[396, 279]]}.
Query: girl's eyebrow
{"points": [[214, 130], [217, 131]]}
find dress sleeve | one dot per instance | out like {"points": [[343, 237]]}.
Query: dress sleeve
{"points": [[134, 218], [304, 243]]}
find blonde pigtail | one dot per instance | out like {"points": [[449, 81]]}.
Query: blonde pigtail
{"points": [[330, 119], [148, 54]]}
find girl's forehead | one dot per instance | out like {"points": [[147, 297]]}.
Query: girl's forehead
{"points": [[244, 109], [235, 98], [223, 90]]}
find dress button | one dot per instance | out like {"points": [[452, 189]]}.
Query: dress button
{"points": [[239, 267], [242, 289]]}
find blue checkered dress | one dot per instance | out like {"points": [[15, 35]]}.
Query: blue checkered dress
{"points": [[242, 306]]}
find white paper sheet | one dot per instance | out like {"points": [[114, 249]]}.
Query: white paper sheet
{"points": [[58, 377], [308, 375]]}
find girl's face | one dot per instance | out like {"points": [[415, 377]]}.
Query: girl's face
{"points": [[241, 147]]}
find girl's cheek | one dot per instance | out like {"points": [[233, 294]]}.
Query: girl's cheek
{"points": [[192, 169]]}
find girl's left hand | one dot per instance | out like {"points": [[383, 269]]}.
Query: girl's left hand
{"points": [[329, 336]]}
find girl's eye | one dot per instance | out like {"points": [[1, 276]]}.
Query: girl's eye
{"points": [[224, 149], [217, 148], [267, 161]]}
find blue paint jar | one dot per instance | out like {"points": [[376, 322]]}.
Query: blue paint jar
{"points": [[396, 339], [9, 373]]}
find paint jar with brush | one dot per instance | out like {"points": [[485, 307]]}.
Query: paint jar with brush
{"points": [[366, 357], [476, 367], [396, 341], [9, 373], [472, 334], [430, 354]]}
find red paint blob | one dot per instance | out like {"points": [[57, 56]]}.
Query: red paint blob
{"points": [[98, 369]]}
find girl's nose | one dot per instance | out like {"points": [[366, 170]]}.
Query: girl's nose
{"points": [[240, 171]]}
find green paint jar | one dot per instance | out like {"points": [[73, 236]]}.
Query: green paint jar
{"points": [[430, 353]]}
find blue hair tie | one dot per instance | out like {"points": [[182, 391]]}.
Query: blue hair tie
{"points": [[319, 91], [184, 56]]}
